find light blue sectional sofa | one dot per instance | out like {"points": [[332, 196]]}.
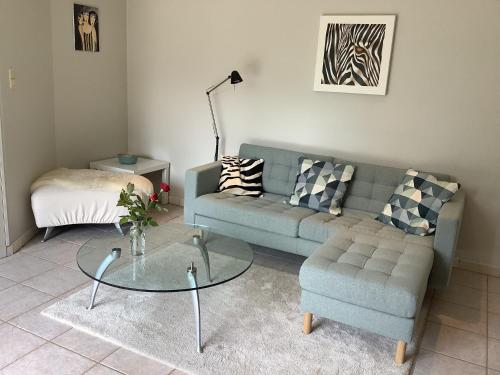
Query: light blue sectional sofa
{"points": [[359, 271]]}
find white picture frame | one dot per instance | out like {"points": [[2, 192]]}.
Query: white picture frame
{"points": [[354, 53]]}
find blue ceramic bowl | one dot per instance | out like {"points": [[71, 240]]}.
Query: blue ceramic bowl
{"points": [[127, 159]]}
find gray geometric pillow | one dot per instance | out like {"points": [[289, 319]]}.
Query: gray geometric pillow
{"points": [[321, 185], [415, 204]]}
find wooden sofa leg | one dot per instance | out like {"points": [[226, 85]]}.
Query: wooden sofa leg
{"points": [[400, 352], [308, 317]]}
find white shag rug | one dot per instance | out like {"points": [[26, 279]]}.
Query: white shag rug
{"points": [[250, 325]]}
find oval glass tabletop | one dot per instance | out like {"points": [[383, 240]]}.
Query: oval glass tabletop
{"points": [[172, 252]]}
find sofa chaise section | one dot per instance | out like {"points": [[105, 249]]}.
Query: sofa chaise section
{"points": [[370, 189], [359, 271]]}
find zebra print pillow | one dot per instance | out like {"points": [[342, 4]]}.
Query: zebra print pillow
{"points": [[241, 176]]}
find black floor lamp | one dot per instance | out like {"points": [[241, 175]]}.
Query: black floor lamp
{"points": [[235, 78]]}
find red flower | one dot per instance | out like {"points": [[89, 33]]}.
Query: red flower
{"points": [[153, 197], [164, 187]]}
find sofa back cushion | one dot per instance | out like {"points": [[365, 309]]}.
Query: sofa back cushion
{"points": [[280, 166], [369, 190], [372, 185]]}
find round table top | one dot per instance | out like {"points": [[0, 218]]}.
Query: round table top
{"points": [[171, 249]]}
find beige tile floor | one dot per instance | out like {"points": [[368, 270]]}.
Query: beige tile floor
{"points": [[462, 333]]}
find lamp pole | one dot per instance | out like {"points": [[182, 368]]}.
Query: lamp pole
{"points": [[214, 125], [235, 78]]}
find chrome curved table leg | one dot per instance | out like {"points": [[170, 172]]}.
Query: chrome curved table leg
{"points": [[191, 275], [199, 242], [114, 255]]}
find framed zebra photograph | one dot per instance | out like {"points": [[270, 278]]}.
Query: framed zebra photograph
{"points": [[354, 54]]}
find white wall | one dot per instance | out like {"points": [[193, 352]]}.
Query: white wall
{"points": [[441, 112], [27, 110], [68, 107], [90, 88]]}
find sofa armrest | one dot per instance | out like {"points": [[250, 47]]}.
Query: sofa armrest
{"points": [[445, 240], [199, 181]]}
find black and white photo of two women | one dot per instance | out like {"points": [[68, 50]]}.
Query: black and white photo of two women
{"points": [[86, 25]]}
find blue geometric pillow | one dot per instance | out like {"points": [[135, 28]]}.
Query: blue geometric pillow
{"points": [[415, 204], [321, 185]]}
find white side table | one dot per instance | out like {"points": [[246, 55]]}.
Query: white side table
{"points": [[142, 166]]}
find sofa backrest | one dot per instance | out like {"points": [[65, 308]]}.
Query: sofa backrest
{"points": [[371, 185], [280, 166], [369, 190]]}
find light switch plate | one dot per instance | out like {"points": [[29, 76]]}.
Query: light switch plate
{"points": [[12, 78]]}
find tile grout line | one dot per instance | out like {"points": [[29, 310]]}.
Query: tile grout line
{"points": [[69, 327], [24, 355], [35, 334], [103, 365], [459, 329], [121, 347], [463, 330], [459, 304], [80, 354], [31, 256], [62, 347], [87, 371], [52, 295], [45, 259], [454, 358], [33, 307]]}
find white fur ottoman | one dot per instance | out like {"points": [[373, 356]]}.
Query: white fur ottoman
{"points": [[81, 196]]}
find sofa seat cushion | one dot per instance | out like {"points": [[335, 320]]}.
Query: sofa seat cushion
{"points": [[387, 275], [270, 212], [320, 226]]}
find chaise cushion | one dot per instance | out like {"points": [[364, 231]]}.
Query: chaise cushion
{"points": [[387, 275], [270, 212]]}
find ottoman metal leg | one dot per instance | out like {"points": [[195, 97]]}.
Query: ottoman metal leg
{"points": [[114, 255], [48, 233], [119, 228], [191, 275]]}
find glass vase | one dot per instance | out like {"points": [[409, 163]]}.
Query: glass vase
{"points": [[137, 237]]}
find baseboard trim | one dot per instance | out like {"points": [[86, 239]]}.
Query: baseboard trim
{"points": [[21, 241], [477, 267], [178, 201]]}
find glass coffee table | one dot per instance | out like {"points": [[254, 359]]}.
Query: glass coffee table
{"points": [[178, 258]]}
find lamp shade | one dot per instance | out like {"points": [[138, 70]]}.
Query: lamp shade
{"points": [[235, 77]]}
